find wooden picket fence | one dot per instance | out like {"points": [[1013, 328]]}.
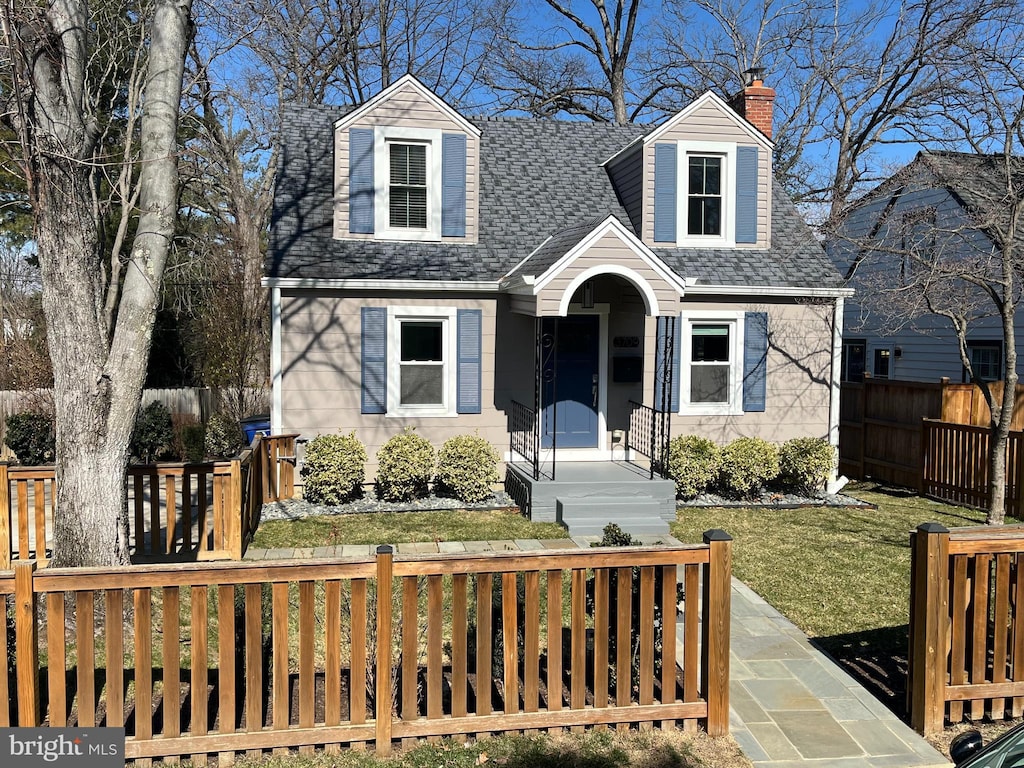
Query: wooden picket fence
{"points": [[966, 625], [955, 465], [204, 659], [205, 511]]}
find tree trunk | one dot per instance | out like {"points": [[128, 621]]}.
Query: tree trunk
{"points": [[99, 360]]}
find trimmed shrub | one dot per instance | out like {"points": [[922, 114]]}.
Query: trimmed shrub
{"points": [[193, 443], [805, 464], [467, 467], [333, 469], [30, 435], [223, 436], [747, 464], [405, 466], [694, 463], [154, 432]]}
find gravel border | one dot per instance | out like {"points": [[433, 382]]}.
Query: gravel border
{"points": [[298, 509]]}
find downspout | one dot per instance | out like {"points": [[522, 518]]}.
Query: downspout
{"points": [[835, 483], [276, 374]]}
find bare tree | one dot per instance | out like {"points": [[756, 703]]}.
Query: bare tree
{"points": [[580, 67], [100, 303], [850, 78], [961, 262]]}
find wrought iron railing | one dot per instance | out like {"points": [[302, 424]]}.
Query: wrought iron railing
{"points": [[524, 436], [648, 436]]}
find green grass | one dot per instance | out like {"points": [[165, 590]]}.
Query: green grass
{"points": [[831, 571], [401, 528], [841, 575]]}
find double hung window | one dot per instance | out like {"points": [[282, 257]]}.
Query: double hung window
{"points": [[704, 196]]}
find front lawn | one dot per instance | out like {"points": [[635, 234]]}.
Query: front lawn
{"points": [[840, 574], [401, 528]]}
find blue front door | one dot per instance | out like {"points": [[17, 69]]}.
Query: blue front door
{"points": [[570, 391]]}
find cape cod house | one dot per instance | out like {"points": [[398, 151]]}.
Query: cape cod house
{"points": [[574, 292]]}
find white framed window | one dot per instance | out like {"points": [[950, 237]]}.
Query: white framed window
{"points": [[706, 208], [407, 183], [711, 363], [407, 186], [421, 367]]}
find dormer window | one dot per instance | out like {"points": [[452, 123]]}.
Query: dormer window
{"points": [[705, 193], [407, 191], [704, 198]]}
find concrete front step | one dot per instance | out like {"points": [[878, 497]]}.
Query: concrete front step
{"points": [[589, 516]]}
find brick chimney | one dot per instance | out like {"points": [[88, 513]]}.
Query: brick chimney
{"points": [[755, 101]]}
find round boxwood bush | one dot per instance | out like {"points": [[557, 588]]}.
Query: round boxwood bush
{"points": [[694, 463], [30, 435], [223, 436], [154, 432], [333, 469], [467, 467], [748, 463], [405, 466], [805, 464]]}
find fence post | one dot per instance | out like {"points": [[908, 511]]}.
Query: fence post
{"points": [[26, 645], [922, 454], [382, 702], [5, 517], [929, 598], [286, 468], [233, 511], [715, 628]]}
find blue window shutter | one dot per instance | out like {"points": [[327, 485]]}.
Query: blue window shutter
{"points": [[666, 188], [755, 360], [375, 360], [453, 185], [746, 194], [360, 181], [468, 396], [658, 364]]}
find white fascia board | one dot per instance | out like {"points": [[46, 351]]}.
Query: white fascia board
{"points": [[728, 111], [476, 286], [612, 224], [396, 86], [704, 289]]}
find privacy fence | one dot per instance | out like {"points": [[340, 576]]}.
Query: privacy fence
{"points": [[931, 437], [205, 511], [966, 625], [223, 659]]}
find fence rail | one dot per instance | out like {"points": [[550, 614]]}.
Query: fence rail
{"points": [[966, 652], [179, 511], [228, 658]]}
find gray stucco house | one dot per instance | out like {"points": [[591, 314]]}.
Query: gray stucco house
{"points": [[574, 292]]}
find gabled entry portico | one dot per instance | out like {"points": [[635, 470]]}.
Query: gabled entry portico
{"points": [[604, 309]]}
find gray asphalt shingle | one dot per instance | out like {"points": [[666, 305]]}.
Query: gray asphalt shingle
{"points": [[538, 178]]}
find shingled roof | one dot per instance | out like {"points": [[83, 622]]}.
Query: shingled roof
{"points": [[538, 178]]}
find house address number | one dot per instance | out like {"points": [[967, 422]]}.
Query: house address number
{"points": [[626, 342]]}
